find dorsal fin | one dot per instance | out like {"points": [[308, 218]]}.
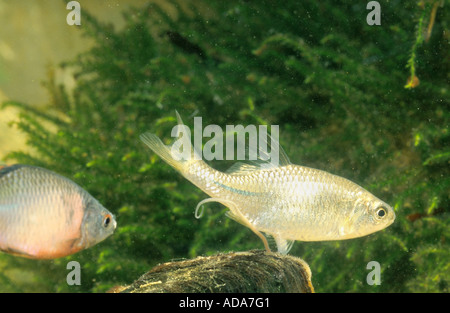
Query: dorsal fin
{"points": [[264, 159], [179, 120], [271, 143]]}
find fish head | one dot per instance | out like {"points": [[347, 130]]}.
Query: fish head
{"points": [[370, 215], [98, 223]]}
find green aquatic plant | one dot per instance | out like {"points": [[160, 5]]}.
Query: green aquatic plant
{"points": [[429, 9], [334, 85]]}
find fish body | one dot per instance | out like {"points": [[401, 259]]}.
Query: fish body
{"points": [[286, 201], [44, 215]]}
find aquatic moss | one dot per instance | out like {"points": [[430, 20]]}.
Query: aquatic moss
{"points": [[334, 84]]}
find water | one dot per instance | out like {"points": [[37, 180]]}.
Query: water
{"points": [[333, 84]]}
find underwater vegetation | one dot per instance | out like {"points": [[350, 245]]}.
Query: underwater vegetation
{"points": [[333, 84]]}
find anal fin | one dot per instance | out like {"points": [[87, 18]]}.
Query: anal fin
{"points": [[283, 245], [236, 215]]}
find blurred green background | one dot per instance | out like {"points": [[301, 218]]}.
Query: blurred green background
{"points": [[334, 85]]}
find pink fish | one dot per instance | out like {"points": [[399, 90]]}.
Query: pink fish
{"points": [[44, 215]]}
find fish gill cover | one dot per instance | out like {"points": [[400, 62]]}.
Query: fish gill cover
{"points": [[336, 87]]}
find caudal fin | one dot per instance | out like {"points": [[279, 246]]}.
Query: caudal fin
{"points": [[180, 152], [154, 143]]}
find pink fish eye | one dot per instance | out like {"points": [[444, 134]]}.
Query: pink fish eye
{"points": [[106, 220]]}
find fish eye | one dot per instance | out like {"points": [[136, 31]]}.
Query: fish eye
{"points": [[381, 212], [106, 220]]}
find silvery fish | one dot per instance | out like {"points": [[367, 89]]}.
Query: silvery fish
{"points": [[286, 201], [44, 215]]}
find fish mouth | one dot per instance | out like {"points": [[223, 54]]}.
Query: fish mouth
{"points": [[392, 219], [114, 225]]}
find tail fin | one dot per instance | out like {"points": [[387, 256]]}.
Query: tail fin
{"points": [[154, 143], [171, 154]]}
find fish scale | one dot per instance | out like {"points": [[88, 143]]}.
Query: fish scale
{"points": [[286, 201]]}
